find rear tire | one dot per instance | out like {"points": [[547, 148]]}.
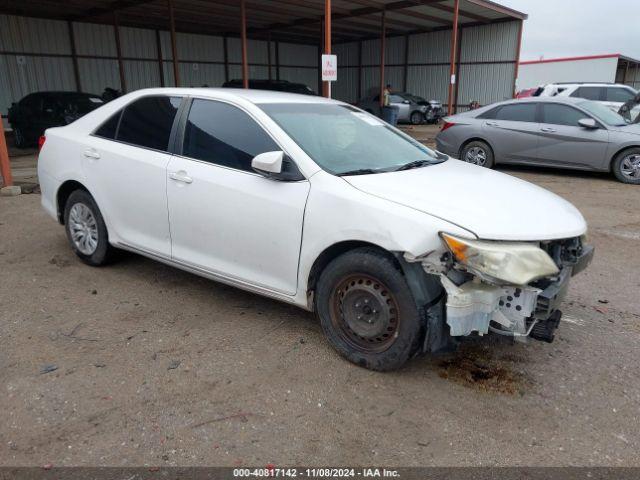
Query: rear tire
{"points": [[86, 230], [477, 153], [367, 311], [626, 166], [18, 138]]}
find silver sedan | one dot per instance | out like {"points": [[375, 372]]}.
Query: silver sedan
{"points": [[553, 132]]}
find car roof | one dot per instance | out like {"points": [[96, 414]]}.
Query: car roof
{"points": [[555, 99], [587, 84], [520, 101], [64, 93], [250, 95]]}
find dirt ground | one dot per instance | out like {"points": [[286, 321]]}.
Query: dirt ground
{"points": [[142, 364]]}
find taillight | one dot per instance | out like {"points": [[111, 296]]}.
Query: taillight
{"points": [[41, 141], [446, 125]]}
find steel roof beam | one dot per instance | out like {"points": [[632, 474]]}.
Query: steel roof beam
{"points": [[113, 7]]}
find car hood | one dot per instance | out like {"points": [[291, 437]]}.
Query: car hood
{"points": [[633, 128], [492, 205]]}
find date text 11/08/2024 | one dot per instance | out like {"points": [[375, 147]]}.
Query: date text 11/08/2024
{"points": [[272, 471]]}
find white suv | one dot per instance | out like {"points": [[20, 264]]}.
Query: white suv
{"points": [[613, 95], [310, 201]]}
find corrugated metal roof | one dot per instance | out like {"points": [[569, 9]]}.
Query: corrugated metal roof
{"points": [[280, 19]]}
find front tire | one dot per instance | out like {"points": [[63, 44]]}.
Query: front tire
{"points": [[86, 230], [416, 118], [367, 311], [477, 153], [626, 166]]}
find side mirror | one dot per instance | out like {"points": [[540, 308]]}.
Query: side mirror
{"points": [[268, 163], [276, 166], [406, 101], [588, 123]]}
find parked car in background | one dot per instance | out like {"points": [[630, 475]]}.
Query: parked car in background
{"points": [[527, 92], [36, 112], [411, 108], [398, 254], [562, 132], [613, 95], [274, 85]]}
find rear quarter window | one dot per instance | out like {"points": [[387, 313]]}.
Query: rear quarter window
{"points": [[109, 128]]}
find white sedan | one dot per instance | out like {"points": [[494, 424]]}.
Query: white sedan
{"points": [[398, 249]]}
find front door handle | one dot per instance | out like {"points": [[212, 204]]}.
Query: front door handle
{"points": [[180, 176], [548, 130], [492, 124], [91, 153]]}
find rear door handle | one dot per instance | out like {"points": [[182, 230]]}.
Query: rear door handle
{"points": [[548, 130], [180, 177], [492, 124], [91, 153]]}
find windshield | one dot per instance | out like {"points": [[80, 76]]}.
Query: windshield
{"points": [[344, 140], [604, 113], [416, 98]]}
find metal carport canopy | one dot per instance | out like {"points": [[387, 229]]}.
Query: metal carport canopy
{"points": [[317, 22]]}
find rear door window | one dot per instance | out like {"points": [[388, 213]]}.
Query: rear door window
{"points": [[148, 121], [220, 133], [521, 112], [590, 93], [618, 94], [556, 114]]}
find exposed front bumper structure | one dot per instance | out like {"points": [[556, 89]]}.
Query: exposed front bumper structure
{"points": [[516, 311], [467, 304]]}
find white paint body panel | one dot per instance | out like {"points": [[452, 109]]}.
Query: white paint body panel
{"points": [[492, 205], [238, 224], [263, 235], [130, 183]]}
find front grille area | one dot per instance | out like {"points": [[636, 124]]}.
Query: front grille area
{"points": [[564, 252]]}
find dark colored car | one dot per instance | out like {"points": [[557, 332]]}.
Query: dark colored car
{"points": [[36, 112], [411, 108], [275, 85]]}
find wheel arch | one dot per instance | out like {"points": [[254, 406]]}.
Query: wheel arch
{"points": [[618, 152], [334, 251], [63, 193]]}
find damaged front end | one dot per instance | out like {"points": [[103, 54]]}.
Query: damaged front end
{"points": [[507, 288]]}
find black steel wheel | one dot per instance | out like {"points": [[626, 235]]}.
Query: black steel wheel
{"points": [[367, 311]]}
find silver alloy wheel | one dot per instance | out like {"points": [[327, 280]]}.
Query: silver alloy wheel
{"points": [[476, 155], [630, 166], [83, 229]]}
